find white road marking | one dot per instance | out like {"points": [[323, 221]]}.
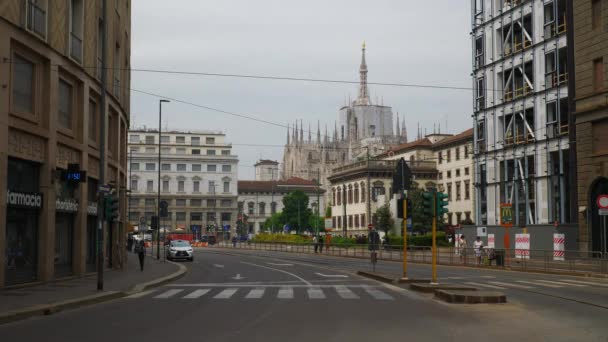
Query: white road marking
{"points": [[486, 285], [169, 293], [238, 277], [315, 293], [488, 277], [272, 263], [278, 270], [285, 293], [377, 294], [454, 278], [345, 293], [141, 294], [196, 294], [585, 282], [539, 284], [226, 294], [560, 283], [332, 275], [218, 266], [510, 285], [256, 293]]}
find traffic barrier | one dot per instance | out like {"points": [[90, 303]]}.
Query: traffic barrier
{"points": [[522, 246], [491, 241], [558, 246]]}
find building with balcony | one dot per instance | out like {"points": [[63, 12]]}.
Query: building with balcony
{"points": [[521, 61], [198, 180], [50, 116]]}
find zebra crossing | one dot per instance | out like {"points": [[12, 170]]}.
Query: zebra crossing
{"points": [[530, 284], [312, 292]]}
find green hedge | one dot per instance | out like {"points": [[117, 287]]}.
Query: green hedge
{"points": [[286, 238]]}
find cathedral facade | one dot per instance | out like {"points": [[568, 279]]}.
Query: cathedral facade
{"points": [[362, 127]]}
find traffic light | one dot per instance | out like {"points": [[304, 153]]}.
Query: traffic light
{"points": [[164, 212], [428, 203], [400, 208], [442, 204], [111, 208]]}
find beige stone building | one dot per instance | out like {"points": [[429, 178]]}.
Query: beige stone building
{"points": [[591, 115], [50, 105]]}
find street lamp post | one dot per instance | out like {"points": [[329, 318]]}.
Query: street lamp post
{"points": [[272, 196], [160, 117]]}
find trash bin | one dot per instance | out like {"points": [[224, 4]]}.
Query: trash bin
{"points": [[500, 257]]}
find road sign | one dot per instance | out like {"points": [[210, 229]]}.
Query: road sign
{"points": [[603, 212], [370, 226], [328, 223], [602, 201], [163, 208], [105, 189], [506, 214], [409, 223]]}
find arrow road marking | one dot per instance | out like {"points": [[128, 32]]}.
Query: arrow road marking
{"points": [[218, 266], [238, 277], [332, 275]]}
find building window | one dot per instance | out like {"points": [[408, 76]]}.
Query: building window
{"points": [[180, 202], [363, 193], [440, 175], [333, 222], [196, 167], [457, 153], [250, 208], [211, 217], [76, 29], [180, 150], [209, 141], [333, 197], [150, 186], [479, 52], [211, 189], [195, 141], [480, 94], [65, 104], [339, 222], [439, 157], [466, 171], [596, 14], [450, 215], [93, 115], [225, 152], [150, 149], [150, 139], [362, 220], [180, 216], [449, 174], [339, 196], [134, 202], [196, 216], [134, 166], [356, 194], [211, 168], [150, 202], [226, 168], [458, 191], [165, 139], [180, 140], [23, 85], [467, 190], [196, 151], [36, 17], [273, 208], [211, 203], [350, 194], [457, 172], [262, 209], [166, 167], [226, 203], [357, 221], [598, 74], [449, 156], [350, 221], [165, 186], [134, 139], [210, 152], [134, 185], [449, 191], [181, 186], [196, 202], [226, 186], [466, 152], [181, 167], [196, 186], [150, 166]]}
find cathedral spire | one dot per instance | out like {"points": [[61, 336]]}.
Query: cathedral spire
{"points": [[295, 133], [309, 133], [326, 138], [403, 130], [363, 98], [335, 132], [287, 134], [319, 132], [301, 131], [397, 131]]}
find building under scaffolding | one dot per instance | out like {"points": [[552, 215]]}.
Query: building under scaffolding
{"points": [[521, 114]]}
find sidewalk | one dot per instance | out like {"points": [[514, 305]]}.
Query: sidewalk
{"points": [[29, 301]]}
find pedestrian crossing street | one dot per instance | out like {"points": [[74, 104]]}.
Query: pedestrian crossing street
{"points": [[529, 284], [310, 292]]}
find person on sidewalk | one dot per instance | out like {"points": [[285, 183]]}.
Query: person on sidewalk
{"points": [[316, 243], [320, 244], [140, 249], [462, 245], [478, 244], [234, 240]]}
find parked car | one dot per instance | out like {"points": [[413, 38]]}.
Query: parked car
{"points": [[180, 249]]}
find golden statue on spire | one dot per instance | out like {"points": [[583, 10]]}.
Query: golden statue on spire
{"points": [[364, 45]]}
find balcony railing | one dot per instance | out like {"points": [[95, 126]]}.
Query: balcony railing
{"points": [[75, 47], [36, 19]]}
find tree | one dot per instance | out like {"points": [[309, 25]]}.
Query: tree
{"points": [[384, 219], [320, 223], [295, 210], [276, 221], [328, 212]]}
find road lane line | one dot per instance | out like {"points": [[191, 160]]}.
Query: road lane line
{"points": [[279, 270], [141, 294], [315, 293], [539, 284], [275, 264], [345, 293], [256, 293], [584, 282], [510, 285], [169, 293], [454, 278], [488, 277], [560, 283], [486, 285], [226, 294], [377, 294], [332, 275], [285, 293], [196, 294]]}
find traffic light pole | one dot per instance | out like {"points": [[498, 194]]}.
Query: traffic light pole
{"points": [[434, 238], [404, 237]]}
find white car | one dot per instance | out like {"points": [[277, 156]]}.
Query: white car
{"points": [[180, 249]]}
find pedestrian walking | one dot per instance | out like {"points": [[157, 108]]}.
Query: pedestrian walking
{"points": [[320, 244], [462, 245], [315, 242], [140, 249], [234, 240], [478, 244]]}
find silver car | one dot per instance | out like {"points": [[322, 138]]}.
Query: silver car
{"points": [[180, 249]]}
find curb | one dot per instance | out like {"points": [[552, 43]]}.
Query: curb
{"points": [[428, 288], [379, 277], [49, 309], [470, 297]]}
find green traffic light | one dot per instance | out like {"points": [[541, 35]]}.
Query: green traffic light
{"points": [[442, 203], [427, 202]]}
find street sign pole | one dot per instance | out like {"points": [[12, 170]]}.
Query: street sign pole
{"points": [[434, 237], [404, 236]]}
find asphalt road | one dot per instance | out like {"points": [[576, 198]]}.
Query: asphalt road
{"points": [[260, 296]]}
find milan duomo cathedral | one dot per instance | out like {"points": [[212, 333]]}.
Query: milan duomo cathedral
{"points": [[361, 125]]}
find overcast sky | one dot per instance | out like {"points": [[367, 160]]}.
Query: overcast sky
{"points": [[408, 41]]}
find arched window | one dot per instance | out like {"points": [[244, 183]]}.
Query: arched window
{"points": [[363, 192], [250, 208], [350, 194], [356, 195], [339, 196], [262, 211], [333, 196]]}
